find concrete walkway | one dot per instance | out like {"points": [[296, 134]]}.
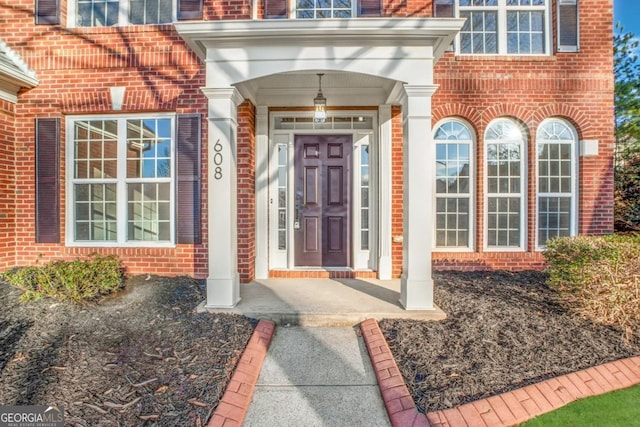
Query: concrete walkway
{"points": [[322, 377], [317, 377]]}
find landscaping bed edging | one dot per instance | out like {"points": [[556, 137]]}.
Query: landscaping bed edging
{"points": [[236, 399], [507, 409]]}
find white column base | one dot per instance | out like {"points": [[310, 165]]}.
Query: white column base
{"points": [[384, 268], [416, 294], [223, 293]]}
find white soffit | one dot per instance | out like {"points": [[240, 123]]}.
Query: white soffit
{"points": [[14, 74], [398, 49]]}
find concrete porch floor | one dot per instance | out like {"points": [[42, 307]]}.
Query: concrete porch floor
{"points": [[323, 302]]}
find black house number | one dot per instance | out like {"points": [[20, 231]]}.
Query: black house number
{"points": [[217, 160]]}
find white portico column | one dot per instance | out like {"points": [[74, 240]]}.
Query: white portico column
{"points": [[262, 192], [416, 291], [384, 190], [223, 289]]}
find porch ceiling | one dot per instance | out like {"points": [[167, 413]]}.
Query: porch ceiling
{"points": [[299, 88]]}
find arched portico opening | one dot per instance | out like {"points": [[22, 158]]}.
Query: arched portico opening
{"points": [[369, 65]]}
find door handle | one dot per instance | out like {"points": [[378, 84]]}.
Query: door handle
{"points": [[298, 207]]}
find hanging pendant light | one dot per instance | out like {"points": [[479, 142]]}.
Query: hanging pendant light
{"points": [[320, 104]]}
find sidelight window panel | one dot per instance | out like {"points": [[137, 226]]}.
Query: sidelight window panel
{"points": [[364, 197]]}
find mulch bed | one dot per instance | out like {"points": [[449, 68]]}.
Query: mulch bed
{"points": [[141, 358], [503, 331]]}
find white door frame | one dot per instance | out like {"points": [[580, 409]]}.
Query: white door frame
{"points": [[283, 259]]}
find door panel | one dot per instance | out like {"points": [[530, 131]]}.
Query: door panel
{"points": [[323, 196]]}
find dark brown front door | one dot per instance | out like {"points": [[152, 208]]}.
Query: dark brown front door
{"points": [[323, 194]]}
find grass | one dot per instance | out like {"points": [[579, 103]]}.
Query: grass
{"points": [[617, 408]]}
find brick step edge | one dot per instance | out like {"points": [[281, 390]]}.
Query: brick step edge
{"points": [[235, 401], [507, 409]]}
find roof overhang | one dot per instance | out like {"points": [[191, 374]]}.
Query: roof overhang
{"points": [[435, 32], [273, 61], [14, 74]]}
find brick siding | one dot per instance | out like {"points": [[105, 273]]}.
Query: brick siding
{"points": [[77, 66], [7, 186]]}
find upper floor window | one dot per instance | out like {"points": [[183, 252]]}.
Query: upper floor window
{"points": [[321, 9], [106, 13], [454, 185], [504, 27], [556, 169], [505, 186], [309, 9]]}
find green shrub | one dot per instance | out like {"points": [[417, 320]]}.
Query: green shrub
{"points": [[77, 280], [601, 274]]}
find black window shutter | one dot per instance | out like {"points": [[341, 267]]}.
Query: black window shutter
{"points": [[47, 11], [48, 180], [189, 164], [275, 9], [443, 8], [567, 25], [369, 8], [189, 9]]}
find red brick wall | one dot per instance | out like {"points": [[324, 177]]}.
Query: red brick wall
{"points": [[7, 185], [76, 67], [246, 192], [577, 87], [397, 213]]}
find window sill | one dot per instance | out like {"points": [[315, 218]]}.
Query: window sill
{"points": [[120, 29], [507, 58], [505, 249], [442, 250], [147, 245]]}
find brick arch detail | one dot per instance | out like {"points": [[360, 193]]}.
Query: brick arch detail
{"points": [[496, 111], [463, 111], [576, 117]]}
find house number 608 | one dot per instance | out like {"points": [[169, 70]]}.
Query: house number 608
{"points": [[217, 160]]}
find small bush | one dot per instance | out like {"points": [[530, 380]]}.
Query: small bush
{"points": [[601, 274], [77, 280]]}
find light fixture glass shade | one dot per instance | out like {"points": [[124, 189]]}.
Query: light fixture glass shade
{"points": [[319, 108], [320, 104]]}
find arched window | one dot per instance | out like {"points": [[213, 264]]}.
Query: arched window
{"points": [[556, 170], [505, 186], [454, 188]]}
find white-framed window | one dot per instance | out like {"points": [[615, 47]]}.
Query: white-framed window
{"points": [[556, 169], [283, 192], [504, 27], [505, 186], [121, 180], [107, 13], [318, 9], [454, 185], [365, 193]]}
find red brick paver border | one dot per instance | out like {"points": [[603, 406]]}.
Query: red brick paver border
{"points": [[507, 409], [235, 402], [399, 403]]}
